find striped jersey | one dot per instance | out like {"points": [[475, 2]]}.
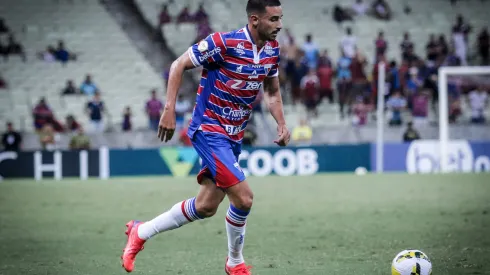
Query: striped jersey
{"points": [[233, 73]]}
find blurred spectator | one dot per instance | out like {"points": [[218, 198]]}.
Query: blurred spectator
{"points": [[381, 10], [42, 114], [325, 75], [454, 108], [478, 101], [359, 7], [49, 55], [184, 138], [14, 48], [324, 59], [462, 27], [311, 52], [310, 86], [153, 108], [460, 41], [397, 104], [380, 44], [164, 16], [11, 139], [443, 47], [185, 16], [414, 82], [360, 109], [203, 30], [340, 14], [484, 46], [126, 123], [420, 107], [393, 76], [80, 141], [3, 83], [348, 44], [201, 13], [407, 47], [88, 87], [302, 133], [182, 107], [295, 71], [358, 75], [70, 88], [47, 138], [411, 133], [3, 27], [344, 82], [95, 109], [431, 48], [71, 124], [285, 39], [62, 54]]}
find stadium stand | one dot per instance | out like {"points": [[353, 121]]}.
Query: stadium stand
{"points": [[121, 73]]}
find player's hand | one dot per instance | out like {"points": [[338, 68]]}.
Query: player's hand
{"points": [[283, 135], [166, 126]]}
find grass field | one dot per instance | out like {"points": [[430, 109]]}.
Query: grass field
{"points": [[325, 224]]}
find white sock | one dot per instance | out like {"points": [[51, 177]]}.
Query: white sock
{"points": [[180, 214], [235, 228]]}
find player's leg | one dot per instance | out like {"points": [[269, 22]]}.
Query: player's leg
{"points": [[241, 200]]}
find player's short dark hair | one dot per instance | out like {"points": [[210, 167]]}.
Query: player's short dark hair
{"points": [[260, 5]]}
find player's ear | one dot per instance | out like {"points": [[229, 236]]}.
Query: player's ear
{"points": [[255, 20]]}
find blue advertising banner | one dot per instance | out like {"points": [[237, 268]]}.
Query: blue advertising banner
{"points": [[423, 156], [256, 161]]}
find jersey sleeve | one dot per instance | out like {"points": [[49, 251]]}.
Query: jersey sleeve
{"points": [[210, 50], [274, 72]]}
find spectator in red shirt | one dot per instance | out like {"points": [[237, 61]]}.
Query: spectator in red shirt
{"points": [[325, 75], [71, 125], [184, 138], [310, 85], [380, 44], [42, 114], [153, 108]]}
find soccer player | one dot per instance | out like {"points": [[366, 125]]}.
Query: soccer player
{"points": [[235, 66]]}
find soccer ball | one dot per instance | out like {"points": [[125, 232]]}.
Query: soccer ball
{"points": [[411, 262]]}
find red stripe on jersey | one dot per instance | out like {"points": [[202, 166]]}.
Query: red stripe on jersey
{"points": [[204, 73], [218, 41], [199, 90], [269, 60], [236, 92], [218, 129], [233, 42]]}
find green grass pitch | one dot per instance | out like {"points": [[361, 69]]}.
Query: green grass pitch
{"points": [[324, 224]]}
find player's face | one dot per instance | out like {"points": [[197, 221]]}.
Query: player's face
{"points": [[270, 23]]}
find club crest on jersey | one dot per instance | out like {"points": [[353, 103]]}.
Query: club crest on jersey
{"points": [[240, 48], [253, 76], [268, 49], [202, 46], [267, 68], [239, 69]]}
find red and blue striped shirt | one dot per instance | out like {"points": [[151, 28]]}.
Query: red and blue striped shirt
{"points": [[233, 72]]}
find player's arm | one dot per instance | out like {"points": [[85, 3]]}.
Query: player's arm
{"points": [[273, 97], [167, 120]]}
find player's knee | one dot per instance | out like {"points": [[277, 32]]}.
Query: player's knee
{"points": [[245, 201], [206, 209]]}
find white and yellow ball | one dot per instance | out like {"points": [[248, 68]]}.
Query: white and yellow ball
{"points": [[411, 262]]}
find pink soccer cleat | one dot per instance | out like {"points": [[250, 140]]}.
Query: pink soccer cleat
{"points": [[241, 269], [133, 246]]}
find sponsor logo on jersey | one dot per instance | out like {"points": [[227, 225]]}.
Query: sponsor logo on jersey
{"points": [[239, 69], [243, 85], [253, 76], [234, 114], [209, 54]]}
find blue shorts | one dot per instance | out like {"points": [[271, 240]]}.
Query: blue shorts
{"points": [[219, 159]]}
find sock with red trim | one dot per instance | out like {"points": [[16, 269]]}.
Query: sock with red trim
{"points": [[235, 228], [180, 214]]}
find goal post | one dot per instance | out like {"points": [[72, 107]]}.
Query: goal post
{"points": [[443, 74]]}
